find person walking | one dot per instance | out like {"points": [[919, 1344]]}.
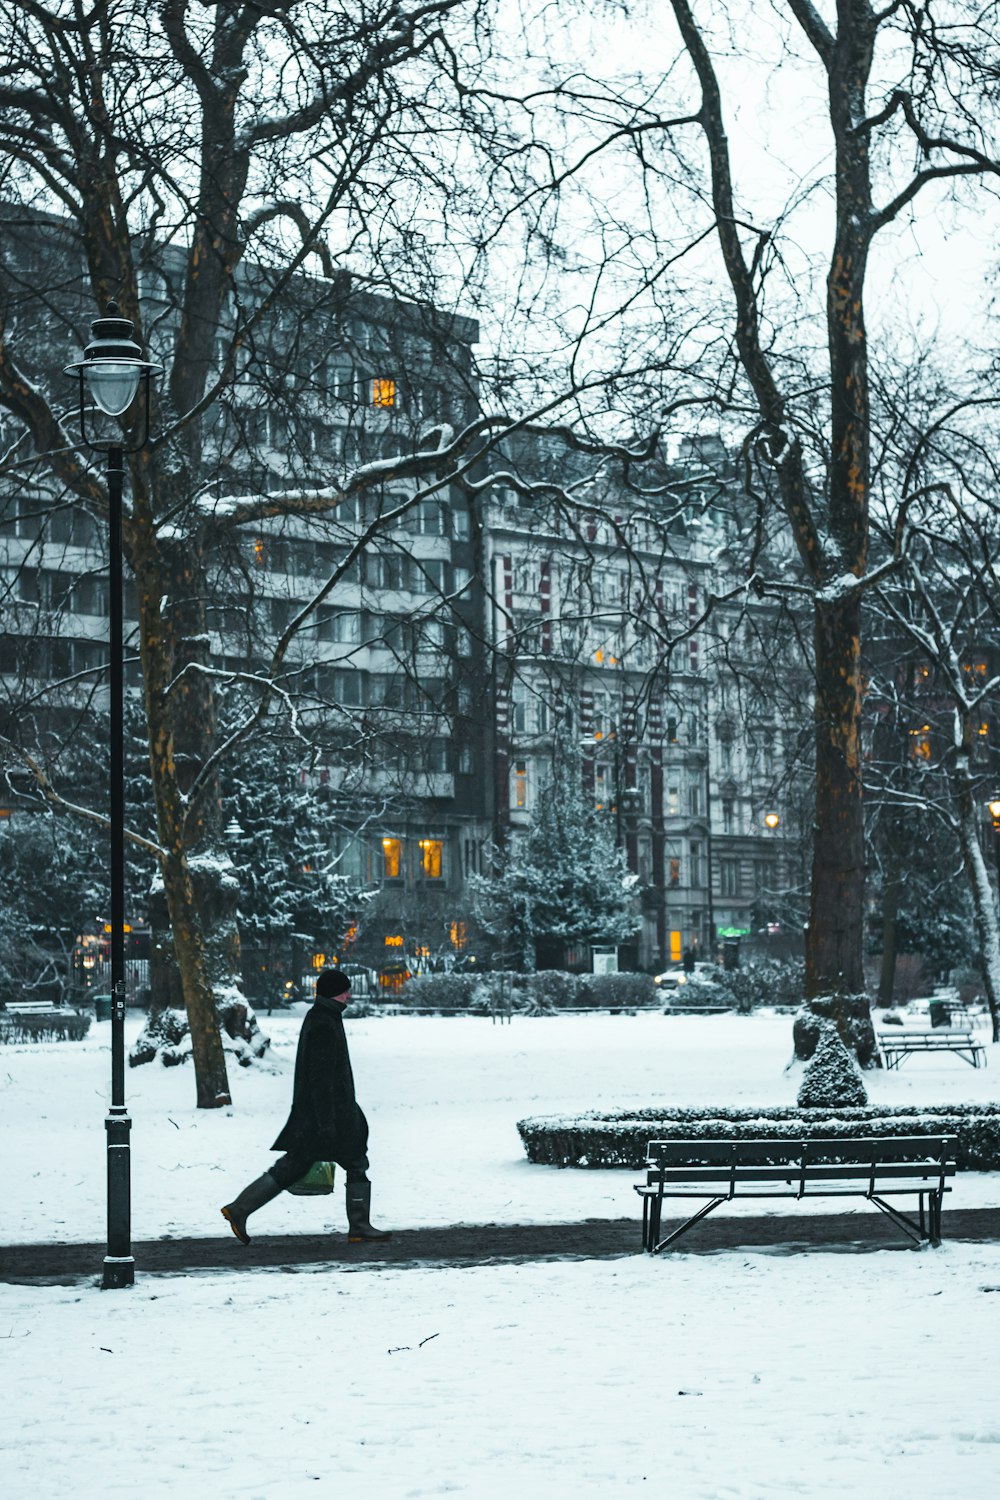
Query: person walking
{"points": [[326, 1122]]}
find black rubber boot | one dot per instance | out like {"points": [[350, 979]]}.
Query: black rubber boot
{"points": [[359, 1207], [253, 1197]]}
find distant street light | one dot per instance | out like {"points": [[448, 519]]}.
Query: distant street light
{"points": [[111, 372], [771, 821]]}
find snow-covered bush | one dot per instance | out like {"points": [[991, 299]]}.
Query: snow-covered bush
{"points": [[620, 1140], [444, 991], [832, 1080], [616, 990], [766, 981], [54, 1026], [851, 1014], [701, 991]]}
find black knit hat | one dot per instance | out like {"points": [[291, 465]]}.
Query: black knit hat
{"points": [[331, 983]]}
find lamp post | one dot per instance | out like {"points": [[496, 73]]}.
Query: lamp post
{"points": [[111, 371]]}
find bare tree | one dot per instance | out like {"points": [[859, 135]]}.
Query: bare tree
{"points": [[192, 160]]}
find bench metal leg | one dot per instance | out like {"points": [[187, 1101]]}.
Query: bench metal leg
{"points": [[916, 1232], [657, 1245]]}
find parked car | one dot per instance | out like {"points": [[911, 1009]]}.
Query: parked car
{"points": [[672, 979]]}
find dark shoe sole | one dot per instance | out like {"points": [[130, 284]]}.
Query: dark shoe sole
{"points": [[243, 1237], [368, 1239]]}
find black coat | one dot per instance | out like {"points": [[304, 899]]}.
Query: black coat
{"points": [[326, 1123]]}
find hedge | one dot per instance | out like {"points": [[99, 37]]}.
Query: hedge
{"points": [[546, 991], [620, 1140], [44, 1026]]}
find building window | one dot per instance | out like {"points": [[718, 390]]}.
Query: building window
{"points": [[431, 851], [696, 870], [383, 392], [392, 859], [728, 818], [673, 801], [729, 877], [519, 784], [672, 731], [674, 871], [920, 743], [457, 934], [602, 788]]}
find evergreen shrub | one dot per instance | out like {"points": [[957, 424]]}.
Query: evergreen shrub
{"points": [[831, 1080], [437, 991], [620, 1140]]}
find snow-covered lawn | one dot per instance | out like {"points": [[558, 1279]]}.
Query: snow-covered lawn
{"points": [[716, 1377], [442, 1095], [733, 1376]]}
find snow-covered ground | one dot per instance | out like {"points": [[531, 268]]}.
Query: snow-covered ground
{"points": [[731, 1376], [443, 1097]]}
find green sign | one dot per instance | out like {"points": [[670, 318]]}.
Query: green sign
{"points": [[734, 931]]}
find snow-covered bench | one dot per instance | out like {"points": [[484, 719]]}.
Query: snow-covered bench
{"points": [[897, 1045], [864, 1166]]}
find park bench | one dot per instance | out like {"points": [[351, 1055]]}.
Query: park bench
{"points": [[895, 1046], [863, 1166]]}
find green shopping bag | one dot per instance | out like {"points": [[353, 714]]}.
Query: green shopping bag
{"points": [[318, 1179]]}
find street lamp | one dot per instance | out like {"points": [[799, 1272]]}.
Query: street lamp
{"points": [[111, 372], [771, 821]]}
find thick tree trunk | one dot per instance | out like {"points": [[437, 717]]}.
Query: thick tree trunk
{"points": [[836, 920]]}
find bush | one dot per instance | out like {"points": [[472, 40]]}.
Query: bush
{"points": [[54, 1026], [617, 990], [831, 1080], [438, 992], [700, 991], [766, 981], [609, 1140]]}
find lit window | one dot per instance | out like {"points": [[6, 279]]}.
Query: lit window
{"points": [[984, 730], [319, 960], [673, 801], [383, 392], [520, 783], [392, 856], [431, 851], [394, 940], [258, 551], [675, 872], [457, 934], [675, 946], [920, 743]]}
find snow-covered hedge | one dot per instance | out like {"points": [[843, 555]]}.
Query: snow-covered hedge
{"points": [[44, 1026], [548, 990], [620, 1140]]}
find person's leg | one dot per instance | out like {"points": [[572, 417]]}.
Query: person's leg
{"points": [[286, 1170], [359, 1203]]}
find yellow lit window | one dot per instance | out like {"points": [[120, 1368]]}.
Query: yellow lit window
{"points": [[984, 730], [394, 940], [920, 743], [383, 392], [392, 856], [675, 947], [675, 872], [319, 960], [430, 858], [520, 783], [258, 551], [457, 934]]}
